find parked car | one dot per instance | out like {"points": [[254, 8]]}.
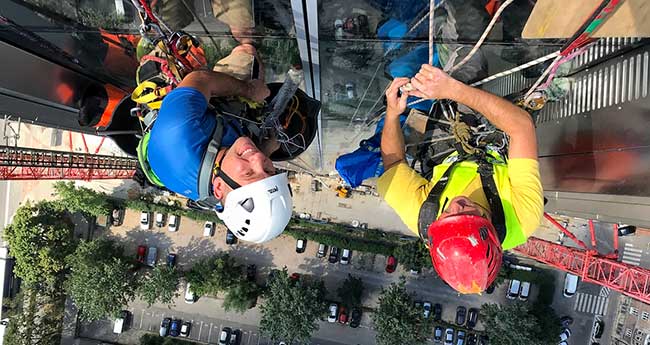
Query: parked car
{"points": [[472, 339], [189, 294], [391, 264], [173, 223], [355, 317], [120, 322], [230, 238], [171, 260], [208, 229], [472, 318], [295, 276], [570, 285], [417, 304], [427, 309], [461, 312], [437, 312], [566, 321], [175, 327], [117, 216], [322, 250], [343, 315], [333, 313], [334, 255], [483, 340], [346, 256], [524, 291], [490, 289], [513, 289], [315, 185], [164, 327], [449, 336], [140, 254], [437, 334], [152, 256], [234, 337], [565, 334], [599, 328], [251, 272], [145, 221], [160, 219], [460, 337], [224, 336], [185, 329], [624, 230], [301, 245]]}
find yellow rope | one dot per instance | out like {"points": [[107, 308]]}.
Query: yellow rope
{"points": [[463, 134]]}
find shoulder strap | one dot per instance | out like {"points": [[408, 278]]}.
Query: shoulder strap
{"points": [[430, 207], [207, 164], [486, 171]]}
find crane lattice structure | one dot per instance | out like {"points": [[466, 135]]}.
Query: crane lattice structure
{"points": [[22, 163]]}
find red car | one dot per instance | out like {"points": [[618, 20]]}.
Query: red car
{"points": [[142, 251], [391, 264], [343, 315], [295, 276]]}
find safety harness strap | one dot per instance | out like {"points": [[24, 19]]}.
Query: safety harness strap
{"points": [[207, 165], [430, 207]]}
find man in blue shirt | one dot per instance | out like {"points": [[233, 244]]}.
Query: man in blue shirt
{"points": [[196, 152]]}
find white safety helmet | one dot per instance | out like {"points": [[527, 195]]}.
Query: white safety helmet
{"points": [[258, 212]]}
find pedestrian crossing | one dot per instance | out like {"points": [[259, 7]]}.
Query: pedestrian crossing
{"points": [[632, 255], [591, 304]]}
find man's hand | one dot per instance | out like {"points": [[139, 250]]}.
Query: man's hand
{"points": [[395, 105], [433, 83], [257, 90]]}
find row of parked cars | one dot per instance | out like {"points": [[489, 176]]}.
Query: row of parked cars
{"points": [[335, 254], [149, 256], [174, 328], [172, 222], [457, 337], [518, 289], [340, 314]]}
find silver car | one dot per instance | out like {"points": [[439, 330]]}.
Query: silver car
{"points": [[152, 256]]}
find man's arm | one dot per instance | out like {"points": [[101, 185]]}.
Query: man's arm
{"points": [[215, 84], [431, 82], [392, 138]]}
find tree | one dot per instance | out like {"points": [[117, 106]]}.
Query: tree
{"points": [[515, 324], [82, 199], [291, 308], [213, 275], [351, 291], [31, 322], [40, 237], [413, 255], [397, 317], [101, 279], [159, 285], [241, 296]]}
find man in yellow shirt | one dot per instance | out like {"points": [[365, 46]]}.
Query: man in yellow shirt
{"points": [[474, 207]]}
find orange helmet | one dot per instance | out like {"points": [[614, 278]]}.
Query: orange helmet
{"points": [[466, 252]]}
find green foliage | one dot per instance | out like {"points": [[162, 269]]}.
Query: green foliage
{"points": [[241, 296], [82, 199], [413, 255], [351, 291], [144, 205], [159, 285], [101, 279], [34, 319], [40, 238], [213, 275], [152, 339], [291, 309], [332, 238], [397, 318], [513, 324]]}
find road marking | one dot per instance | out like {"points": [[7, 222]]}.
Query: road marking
{"points": [[631, 255], [249, 337], [591, 304], [7, 203], [210, 332], [200, 329], [141, 318]]}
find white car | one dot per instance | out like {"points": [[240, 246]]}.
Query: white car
{"points": [[189, 295], [345, 257], [160, 219], [173, 223], [449, 336], [427, 309], [566, 333], [208, 229], [145, 220], [334, 313], [513, 289], [570, 285]]}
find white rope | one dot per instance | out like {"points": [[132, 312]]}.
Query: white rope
{"points": [[483, 37], [432, 7], [363, 97], [517, 69], [542, 77]]}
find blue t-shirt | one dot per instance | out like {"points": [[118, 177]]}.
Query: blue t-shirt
{"points": [[179, 137]]}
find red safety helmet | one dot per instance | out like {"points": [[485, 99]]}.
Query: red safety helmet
{"points": [[466, 252]]}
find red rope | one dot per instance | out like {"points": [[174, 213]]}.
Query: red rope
{"points": [[148, 11]]}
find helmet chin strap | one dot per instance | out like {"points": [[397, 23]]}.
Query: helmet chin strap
{"points": [[218, 172]]}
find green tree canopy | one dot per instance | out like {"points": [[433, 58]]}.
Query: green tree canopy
{"points": [[82, 199], [213, 275], [241, 296], [159, 285], [40, 237], [351, 291], [413, 255], [291, 309], [396, 318], [515, 324], [101, 279], [31, 321]]}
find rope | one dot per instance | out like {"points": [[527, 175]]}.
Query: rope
{"points": [[516, 69], [432, 7], [463, 134]]}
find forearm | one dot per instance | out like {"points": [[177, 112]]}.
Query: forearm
{"points": [[392, 142], [216, 84]]}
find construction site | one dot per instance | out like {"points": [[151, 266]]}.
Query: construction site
{"points": [[83, 85]]}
